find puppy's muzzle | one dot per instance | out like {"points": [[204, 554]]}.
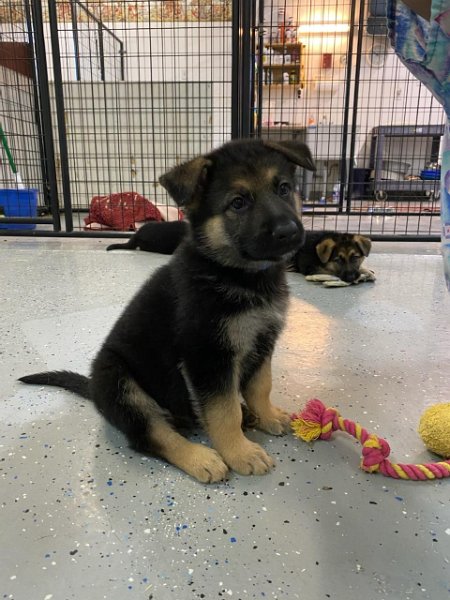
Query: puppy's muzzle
{"points": [[279, 239], [350, 276], [286, 233]]}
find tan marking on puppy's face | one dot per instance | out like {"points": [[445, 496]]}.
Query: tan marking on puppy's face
{"points": [[214, 233], [213, 237], [250, 183], [343, 260]]}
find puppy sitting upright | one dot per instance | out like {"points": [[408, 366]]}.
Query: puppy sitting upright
{"points": [[200, 333]]}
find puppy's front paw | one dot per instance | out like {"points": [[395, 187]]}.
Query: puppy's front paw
{"points": [[248, 458], [276, 422], [366, 275], [320, 277], [335, 283]]}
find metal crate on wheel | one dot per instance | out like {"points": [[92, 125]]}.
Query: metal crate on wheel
{"points": [[390, 177]]}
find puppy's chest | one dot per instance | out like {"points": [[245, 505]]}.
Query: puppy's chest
{"points": [[245, 331]]}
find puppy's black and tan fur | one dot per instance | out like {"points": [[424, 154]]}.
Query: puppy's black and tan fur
{"points": [[163, 237], [199, 335], [332, 253]]}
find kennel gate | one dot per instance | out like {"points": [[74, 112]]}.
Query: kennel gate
{"points": [[326, 75], [119, 91]]}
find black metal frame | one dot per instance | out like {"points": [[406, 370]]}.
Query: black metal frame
{"points": [[43, 112], [246, 115], [350, 121], [43, 115], [243, 45], [101, 27], [60, 116], [349, 179]]}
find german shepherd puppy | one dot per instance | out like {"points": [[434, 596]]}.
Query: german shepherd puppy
{"points": [[163, 237], [200, 333], [334, 254], [337, 255]]}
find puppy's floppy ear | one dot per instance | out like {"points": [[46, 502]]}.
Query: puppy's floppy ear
{"points": [[183, 180], [297, 152], [363, 243], [324, 250]]}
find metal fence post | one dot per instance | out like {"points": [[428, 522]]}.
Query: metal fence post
{"points": [[48, 148], [59, 100]]}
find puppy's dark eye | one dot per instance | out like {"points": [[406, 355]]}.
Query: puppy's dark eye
{"points": [[284, 189], [354, 258], [239, 203], [338, 260]]}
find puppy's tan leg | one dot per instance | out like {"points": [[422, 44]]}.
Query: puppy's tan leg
{"points": [[257, 396], [162, 439], [223, 420], [197, 460]]}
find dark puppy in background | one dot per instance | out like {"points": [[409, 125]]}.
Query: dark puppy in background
{"points": [[334, 258], [326, 256], [199, 335], [163, 237]]}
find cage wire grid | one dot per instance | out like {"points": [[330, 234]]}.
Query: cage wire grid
{"points": [[373, 128], [172, 103], [20, 118], [144, 84]]}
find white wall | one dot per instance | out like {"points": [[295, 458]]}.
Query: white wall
{"points": [[122, 138], [174, 103]]}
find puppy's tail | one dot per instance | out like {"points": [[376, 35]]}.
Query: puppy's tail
{"points": [[130, 245], [73, 382]]}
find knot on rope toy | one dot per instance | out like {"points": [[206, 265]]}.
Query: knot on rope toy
{"points": [[375, 452], [316, 421]]}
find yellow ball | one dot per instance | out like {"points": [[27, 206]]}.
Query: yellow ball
{"points": [[434, 429]]}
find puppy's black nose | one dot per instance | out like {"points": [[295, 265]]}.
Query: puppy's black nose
{"points": [[283, 233], [349, 277]]}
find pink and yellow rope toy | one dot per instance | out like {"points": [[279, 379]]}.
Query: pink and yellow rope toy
{"points": [[317, 421]]}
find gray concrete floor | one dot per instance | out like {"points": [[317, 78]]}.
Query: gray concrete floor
{"points": [[82, 516]]}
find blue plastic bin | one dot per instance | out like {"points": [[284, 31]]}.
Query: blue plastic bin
{"points": [[18, 203]]}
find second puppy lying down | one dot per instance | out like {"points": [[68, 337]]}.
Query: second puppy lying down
{"points": [[334, 258], [156, 236], [326, 256]]}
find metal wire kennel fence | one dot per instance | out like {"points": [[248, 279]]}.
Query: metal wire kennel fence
{"points": [[98, 98], [327, 75], [126, 89]]}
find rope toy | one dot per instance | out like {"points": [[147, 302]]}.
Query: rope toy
{"points": [[317, 421]]}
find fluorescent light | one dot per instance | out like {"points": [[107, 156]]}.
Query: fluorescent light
{"points": [[324, 28]]}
